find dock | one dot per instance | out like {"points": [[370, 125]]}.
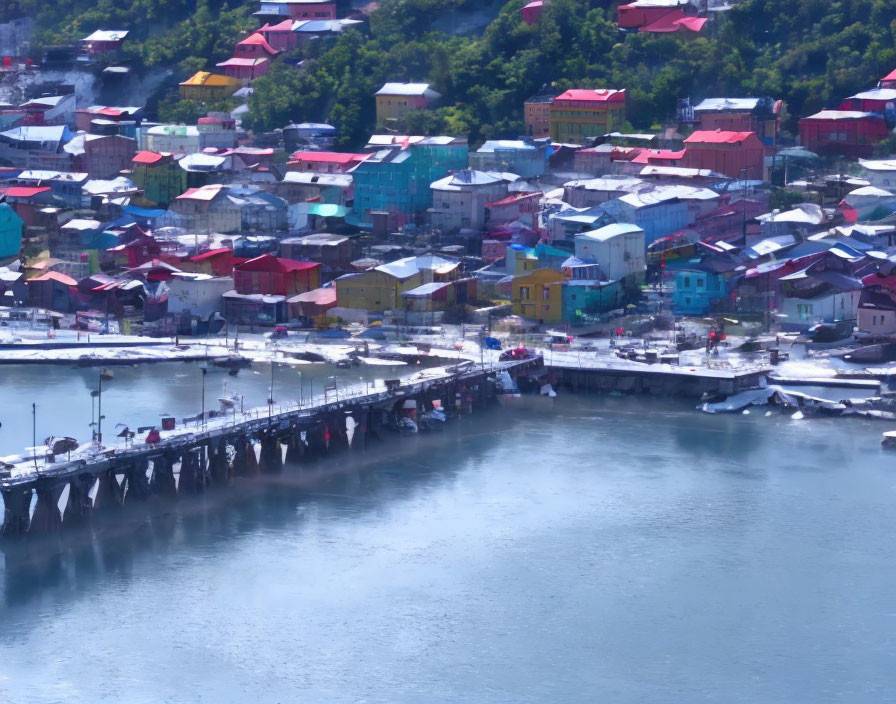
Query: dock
{"points": [[43, 493]]}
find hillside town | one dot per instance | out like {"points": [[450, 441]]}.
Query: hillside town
{"points": [[113, 222]]}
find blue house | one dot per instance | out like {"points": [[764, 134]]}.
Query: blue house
{"points": [[10, 232], [696, 290]]}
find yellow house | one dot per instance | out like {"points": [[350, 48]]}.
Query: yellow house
{"points": [[580, 114], [380, 288], [538, 295], [394, 100], [210, 87]]}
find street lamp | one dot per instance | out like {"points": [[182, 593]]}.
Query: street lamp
{"points": [[271, 395], [34, 434], [93, 394], [99, 396], [202, 416]]}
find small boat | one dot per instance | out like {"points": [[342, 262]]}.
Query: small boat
{"points": [[506, 388], [889, 440], [434, 420]]}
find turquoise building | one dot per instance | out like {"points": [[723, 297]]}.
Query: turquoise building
{"points": [[696, 290], [587, 292], [393, 184], [10, 232]]}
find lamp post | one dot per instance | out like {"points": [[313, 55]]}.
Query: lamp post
{"points": [[202, 416], [34, 434], [93, 394], [99, 418], [271, 395]]}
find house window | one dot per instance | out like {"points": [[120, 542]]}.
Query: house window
{"points": [[881, 318], [687, 282], [525, 293], [546, 308], [699, 283], [804, 311], [545, 293], [873, 320]]}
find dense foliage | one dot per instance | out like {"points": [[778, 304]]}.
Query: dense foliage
{"points": [[811, 53]]}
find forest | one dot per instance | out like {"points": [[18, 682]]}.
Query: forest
{"points": [[810, 53]]}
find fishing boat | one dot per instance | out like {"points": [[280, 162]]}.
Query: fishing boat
{"points": [[506, 389], [889, 440]]}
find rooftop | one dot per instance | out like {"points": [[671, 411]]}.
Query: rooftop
{"points": [[598, 95], [418, 89]]}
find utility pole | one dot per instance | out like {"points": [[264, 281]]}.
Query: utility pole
{"points": [[34, 434], [202, 416], [99, 418]]}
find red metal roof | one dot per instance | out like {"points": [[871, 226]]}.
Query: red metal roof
{"points": [[258, 39], [718, 137], [891, 76], [210, 254], [146, 157], [329, 157], [675, 21], [645, 155], [268, 262], [284, 26], [601, 95], [23, 191]]}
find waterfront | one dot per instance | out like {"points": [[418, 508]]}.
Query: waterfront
{"points": [[619, 549], [140, 395]]}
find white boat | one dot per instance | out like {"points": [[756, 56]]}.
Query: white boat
{"points": [[889, 440]]}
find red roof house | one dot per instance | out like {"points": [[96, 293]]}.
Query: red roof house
{"points": [[273, 276], [280, 36], [325, 162], [532, 12], [675, 21], [735, 154], [849, 133]]}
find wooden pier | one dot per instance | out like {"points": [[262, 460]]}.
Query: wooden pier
{"points": [[47, 494]]}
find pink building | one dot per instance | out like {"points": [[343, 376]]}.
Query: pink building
{"points": [[532, 12], [280, 36]]}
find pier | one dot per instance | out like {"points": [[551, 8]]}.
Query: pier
{"points": [[46, 493]]}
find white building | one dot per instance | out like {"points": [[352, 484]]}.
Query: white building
{"points": [[584, 193], [459, 200], [619, 249]]}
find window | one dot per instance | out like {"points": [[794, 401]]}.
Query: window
{"points": [[525, 293], [881, 318], [546, 308], [687, 282], [699, 282], [804, 311], [873, 320], [545, 293]]}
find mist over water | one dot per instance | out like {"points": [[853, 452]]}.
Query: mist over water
{"points": [[610, 549]]}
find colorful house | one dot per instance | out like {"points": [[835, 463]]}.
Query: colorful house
{"points": [[325, 162], [393, 184], [103, 40], [159, 176], [204, 86], [618, 249], [206, 210], [527, 158], [531, 12], [537, 115], [586, 291], [298, 9], [10, 232], [581, 114], [380, 288], [642, 13], [395, 100], [848, 133], [101, 156], [696, 290], [275, 276], [36, 147], [460, 199], [538, 295], [759, 115], [280, 36], [735, 154]]}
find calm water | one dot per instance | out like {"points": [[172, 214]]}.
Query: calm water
{"points": [[617, 550]]}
